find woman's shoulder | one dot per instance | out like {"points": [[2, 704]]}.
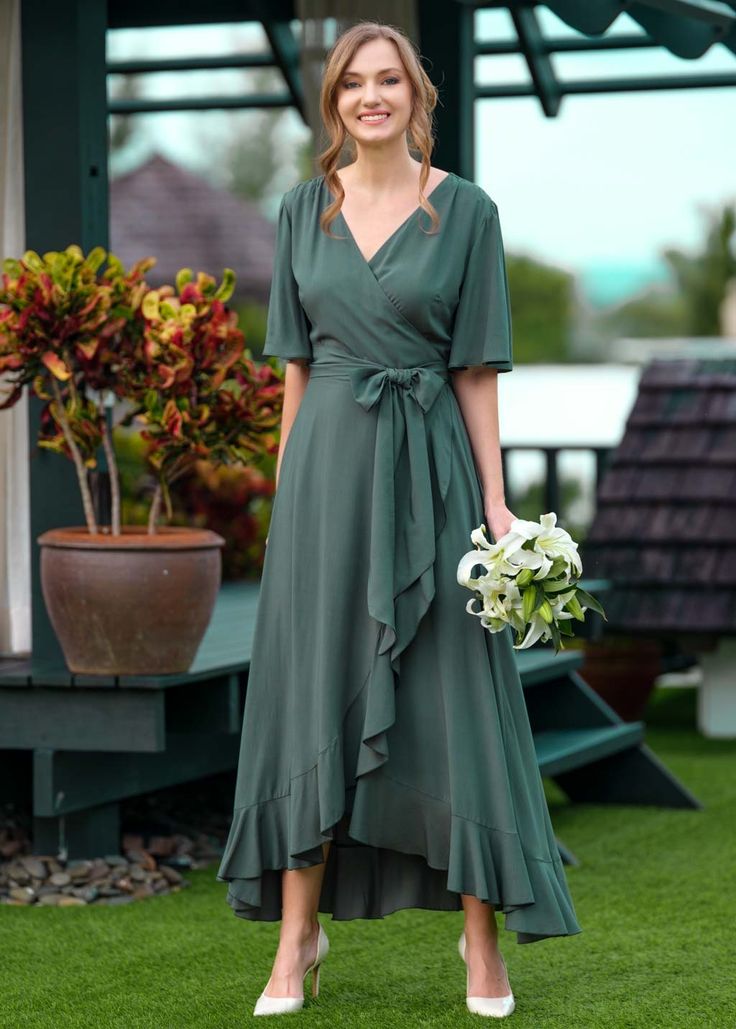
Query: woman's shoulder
{"points": [[301, 190], [476, 196]]}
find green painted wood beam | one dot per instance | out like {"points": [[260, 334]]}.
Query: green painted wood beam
{"points": [[66, 197], [285, 48], [129, 14], [151, 66], [65, 782], [82, 719], [91, 833], [446, 42], [563, 750], [560, 45], [537, 59], [716, 80], [202, 103]]}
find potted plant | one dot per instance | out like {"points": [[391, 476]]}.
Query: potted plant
{"points": [[132, 599], [623, 670]]}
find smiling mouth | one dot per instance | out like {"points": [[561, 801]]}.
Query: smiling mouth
{"points": [[373, 119]]}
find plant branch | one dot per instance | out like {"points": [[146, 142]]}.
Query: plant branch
{"points": [[155, 510], [89, 511], [112, 465]]}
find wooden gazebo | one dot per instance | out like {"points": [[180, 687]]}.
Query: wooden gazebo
{"points": [[134, 735]]}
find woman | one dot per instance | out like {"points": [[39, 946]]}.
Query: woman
{"points": [[387, 759]]}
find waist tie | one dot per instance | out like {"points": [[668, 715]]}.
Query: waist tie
{"points": [[411, 476]]}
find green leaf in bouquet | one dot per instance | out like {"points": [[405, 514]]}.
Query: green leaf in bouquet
{"points": [[556, 637], [555, 585], [558, 565], [590, 601]]}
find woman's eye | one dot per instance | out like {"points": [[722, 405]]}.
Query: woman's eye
{"points": [[391, 79]]}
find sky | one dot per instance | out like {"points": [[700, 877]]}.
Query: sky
{"points": [[601, 189]]}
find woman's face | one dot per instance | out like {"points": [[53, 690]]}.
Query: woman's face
{"points": [[375, 82]]}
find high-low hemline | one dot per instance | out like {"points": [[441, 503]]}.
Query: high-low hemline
{"points": [[367, 878]]}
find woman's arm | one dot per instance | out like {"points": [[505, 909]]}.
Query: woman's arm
{"points": [[295, 383], [476, 389]]}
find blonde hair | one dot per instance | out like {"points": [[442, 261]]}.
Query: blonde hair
{"points": [[420, 134]]}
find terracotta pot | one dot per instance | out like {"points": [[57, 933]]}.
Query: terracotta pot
{"points": [[132, 604], [622, 671]]}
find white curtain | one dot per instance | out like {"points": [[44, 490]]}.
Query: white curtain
{"points": [[15, 543]]}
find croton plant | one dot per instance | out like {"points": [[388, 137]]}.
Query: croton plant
{"points": [[82, 337]]}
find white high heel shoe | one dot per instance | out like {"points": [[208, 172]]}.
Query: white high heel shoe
{"points": [[495, 1007], [266, 1005]]}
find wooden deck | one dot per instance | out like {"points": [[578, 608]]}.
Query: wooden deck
{"points": [[95, 740]]}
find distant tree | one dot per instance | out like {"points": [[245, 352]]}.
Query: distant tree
{"points": [[542, 306], [651, 313], [529, 503], [702, 279], [250, 158], [123, 126]]}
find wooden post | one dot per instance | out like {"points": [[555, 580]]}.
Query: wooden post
{"points": [[446, 41], [66, 187]]}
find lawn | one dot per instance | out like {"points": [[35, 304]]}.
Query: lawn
{"points": [[654, 893]]}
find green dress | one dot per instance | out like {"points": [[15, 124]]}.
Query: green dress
{"points": [[379, 713]]}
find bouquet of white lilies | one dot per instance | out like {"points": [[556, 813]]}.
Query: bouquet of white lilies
{"points": [[530, 582]]}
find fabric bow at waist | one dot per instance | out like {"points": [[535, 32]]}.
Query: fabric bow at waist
{"points": [[411, 476]]}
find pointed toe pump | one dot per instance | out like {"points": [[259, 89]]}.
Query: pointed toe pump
{"points": [[493, 1007], [266, 1005]]}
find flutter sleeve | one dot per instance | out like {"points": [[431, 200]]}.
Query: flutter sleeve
{"points": [[287, 326], [482, 326]]}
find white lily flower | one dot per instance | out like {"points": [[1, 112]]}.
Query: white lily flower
{"points": [[553, 541], [552, 551], [491, 557], [538, 629]]}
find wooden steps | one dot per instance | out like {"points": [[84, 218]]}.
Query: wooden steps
{"points": [[96, 740]]}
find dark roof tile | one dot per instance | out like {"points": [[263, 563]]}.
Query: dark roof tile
{"points": [[164, 211], [664, 531]]}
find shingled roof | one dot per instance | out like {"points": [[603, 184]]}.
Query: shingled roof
{"points": [[167, 212], [665, 526]]}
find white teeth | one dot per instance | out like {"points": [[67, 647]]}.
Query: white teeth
{"points": [[373, 117]]}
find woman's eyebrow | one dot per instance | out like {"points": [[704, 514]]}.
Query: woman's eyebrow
{"points": [[381, 72]]}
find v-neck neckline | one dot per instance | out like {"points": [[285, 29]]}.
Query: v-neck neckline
{"points": [[369, 260]]}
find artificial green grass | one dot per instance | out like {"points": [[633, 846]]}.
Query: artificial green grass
{"points": [[654, 893]]}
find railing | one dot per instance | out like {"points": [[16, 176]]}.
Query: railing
{"points": [[552, 476]]}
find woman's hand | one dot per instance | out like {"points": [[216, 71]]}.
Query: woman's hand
{"points": [[498, 520]]}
